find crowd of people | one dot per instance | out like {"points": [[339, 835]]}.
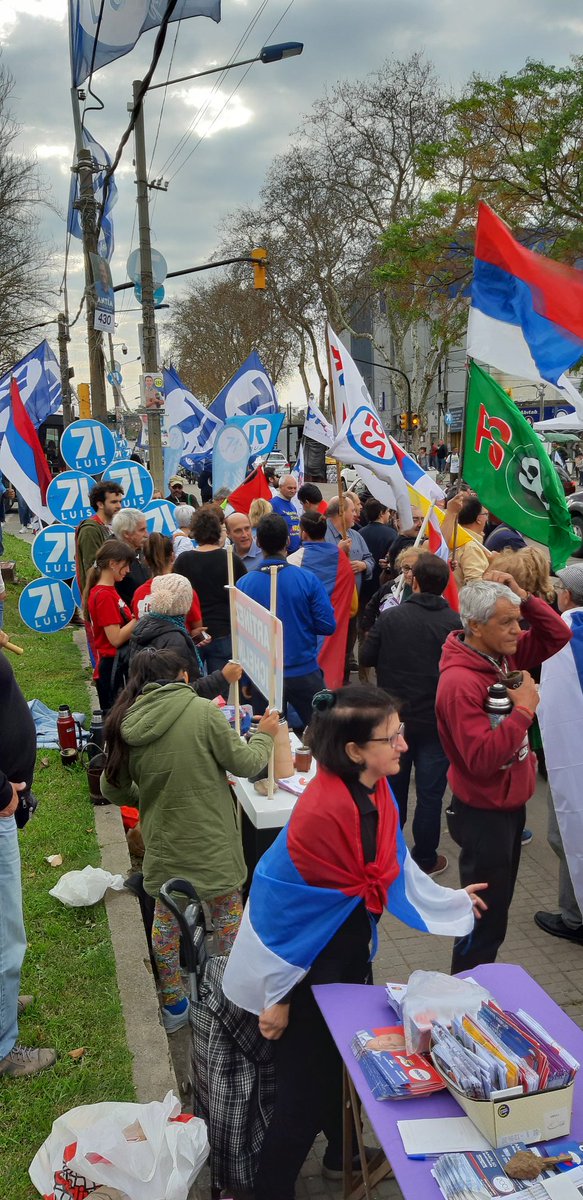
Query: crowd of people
{"points": [[455, 698]]}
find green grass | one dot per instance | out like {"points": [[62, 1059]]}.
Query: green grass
{"points": [[69, 966]]}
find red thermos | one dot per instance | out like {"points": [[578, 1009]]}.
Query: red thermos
{"points": [[66, 728]]}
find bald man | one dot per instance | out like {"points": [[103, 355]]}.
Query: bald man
{"points": [[241, 537], [282, 504]]}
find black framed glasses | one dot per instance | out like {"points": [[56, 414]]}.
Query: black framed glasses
{"points": [[393, 739]]}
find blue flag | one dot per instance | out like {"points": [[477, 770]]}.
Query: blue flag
{"points": [[39, 383], [121, 26], [262, 431], [248, 391], [100, 159], [198, 425]]}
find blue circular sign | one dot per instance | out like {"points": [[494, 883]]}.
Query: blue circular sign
{"points": [[68, 497], [76, 590], [87, 446], [46, 605], [160, 517], [135, 480], [53, 551]]}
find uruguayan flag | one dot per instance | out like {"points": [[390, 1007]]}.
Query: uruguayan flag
{"points": [[287, 922], [249, 391], [101, 159], [198, 424], [560, 715], [122, 23], [39, 383], [316, 426]]}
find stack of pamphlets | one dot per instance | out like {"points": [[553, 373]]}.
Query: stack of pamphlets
{"points": [[479, 1174], [498, 1051], [390, 1072]]}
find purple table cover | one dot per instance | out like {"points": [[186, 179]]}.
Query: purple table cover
{"points": [[349, 1007]]}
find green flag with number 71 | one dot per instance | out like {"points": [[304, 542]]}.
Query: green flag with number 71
{"points": [[507, 465]]}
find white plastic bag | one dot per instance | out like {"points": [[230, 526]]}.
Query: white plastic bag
{"points": [[77, 888], [95, 1144], [432, 996]]}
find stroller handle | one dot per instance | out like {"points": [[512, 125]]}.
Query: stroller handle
{"points": [[183, 888]]}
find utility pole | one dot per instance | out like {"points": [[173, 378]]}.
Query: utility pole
{"points": [[147, 286], [116, 389], [63, 338], [94, 338]]}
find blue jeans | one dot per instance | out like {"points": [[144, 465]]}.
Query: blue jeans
{"points": [[426, 755], [24, 513], [217, 653], [12, 935]]}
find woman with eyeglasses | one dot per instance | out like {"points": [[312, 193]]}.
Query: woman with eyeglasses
{"points": [[315, 901]]}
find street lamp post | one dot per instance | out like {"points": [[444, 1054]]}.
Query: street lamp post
{"points": [[268, 54], [397, 371]]}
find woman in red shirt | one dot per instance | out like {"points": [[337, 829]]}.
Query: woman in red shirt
{"points": [[159, 555], [111, 620]]}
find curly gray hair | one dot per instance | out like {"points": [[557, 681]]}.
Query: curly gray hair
{"points": [[126, 521], [479, 599]]}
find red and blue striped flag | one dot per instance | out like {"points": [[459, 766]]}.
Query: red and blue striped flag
{"points": [[22, 458]]}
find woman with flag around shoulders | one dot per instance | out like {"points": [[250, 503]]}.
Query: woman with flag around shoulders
{"points": [[315, 901]]}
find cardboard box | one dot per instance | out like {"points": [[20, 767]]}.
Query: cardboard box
{"points": [[8, 572], [537, 1117]]}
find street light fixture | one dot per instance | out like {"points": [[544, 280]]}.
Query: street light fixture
{"points": [[268, 54]]}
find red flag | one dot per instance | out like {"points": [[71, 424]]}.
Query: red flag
{"points": [[254, 487], [436, 546], [22, 459]]}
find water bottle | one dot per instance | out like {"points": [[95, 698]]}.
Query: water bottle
{"points": [[66, 728], [96, 730], [498, 704]]}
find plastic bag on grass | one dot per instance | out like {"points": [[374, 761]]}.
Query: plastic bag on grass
{"points": [[432, 996], [77, 888], [147, 1151]]}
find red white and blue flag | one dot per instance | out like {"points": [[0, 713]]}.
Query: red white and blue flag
{"points": [[22, 458], [526, 315], [333, 569], [415, 476], [311, 879]]}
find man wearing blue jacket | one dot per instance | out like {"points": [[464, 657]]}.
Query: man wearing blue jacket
{"points": [[303, 607]]}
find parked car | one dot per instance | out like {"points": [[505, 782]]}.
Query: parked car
{"points": [[568, 484], [279, 462], [575, 506]]}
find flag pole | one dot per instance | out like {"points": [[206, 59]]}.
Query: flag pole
{"points": [[273, 611], [335, 423], [462, 452], [234, 635]]}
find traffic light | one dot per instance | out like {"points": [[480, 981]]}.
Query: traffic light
{"points": [[404, 420], [259, 269], [415, 420], [84, 401]]}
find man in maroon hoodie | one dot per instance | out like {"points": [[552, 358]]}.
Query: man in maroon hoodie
{"points": [[492, 772]]}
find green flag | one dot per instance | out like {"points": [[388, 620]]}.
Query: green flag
{"points": [[507, 465]]}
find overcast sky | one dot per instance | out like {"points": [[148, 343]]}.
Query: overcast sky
{"points": [[240, 134]]}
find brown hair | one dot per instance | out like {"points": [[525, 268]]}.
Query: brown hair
{"points": [[206, 525], [113, 550], [158, 552]]}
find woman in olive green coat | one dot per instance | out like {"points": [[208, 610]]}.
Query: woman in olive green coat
{"points": [[168, 751]]}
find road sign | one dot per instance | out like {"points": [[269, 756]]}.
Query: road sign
{"points": [[104, 321], [53, 551], [160, 517], [76, 592], [68, 497], [158, 294], [135, 480], [115, 377], [88, 446], [159, 267], [46, 605]]}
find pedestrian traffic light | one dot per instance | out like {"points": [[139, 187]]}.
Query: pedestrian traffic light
{"points": [[259, 269], [415, 420], [83, 394], [404, 421]]}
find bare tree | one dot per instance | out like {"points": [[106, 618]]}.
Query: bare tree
{"points": [[215, 327], [24, 284]]}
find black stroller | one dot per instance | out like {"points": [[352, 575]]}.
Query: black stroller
{"points": [[233, 1078]]}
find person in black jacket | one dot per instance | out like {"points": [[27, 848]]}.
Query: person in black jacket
{"points": [[405, 647], [17, 759], [164, 628], [129, 525]]}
